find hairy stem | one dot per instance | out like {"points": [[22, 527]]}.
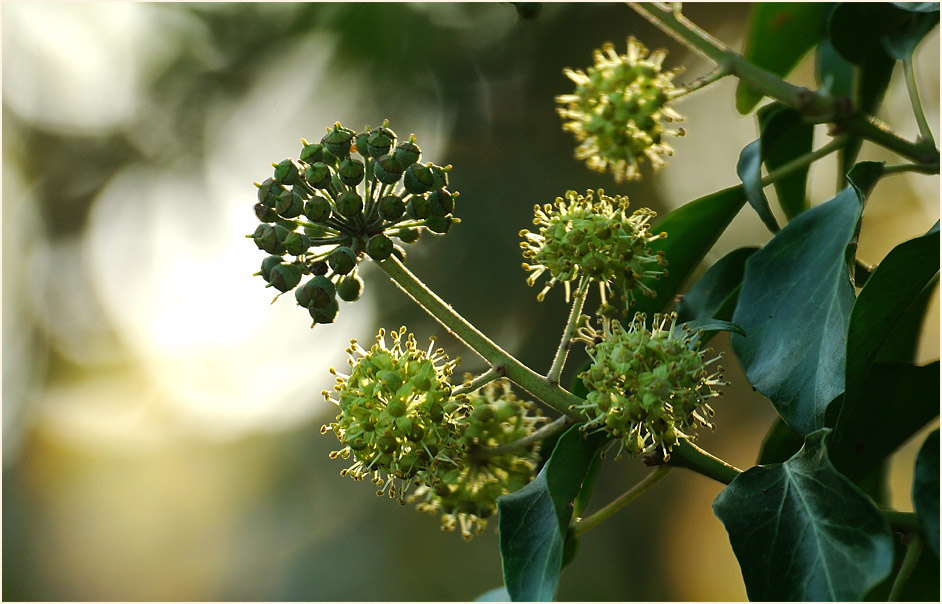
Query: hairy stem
{"points": [[485, 378], [690, 456], [719, 72], [622, 500], [906, 569], [516, 372], [578, 301], [924, 131], [550, 429]]}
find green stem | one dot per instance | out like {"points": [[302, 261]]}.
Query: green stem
{"points": [[806, 159], [906, 569], [924, 131], [875, 131], [903, 522], [578, 301], [718, 73], [690, 456], [551, 429], [920, 168], [488, 376], [517, 372], [596, 518]]}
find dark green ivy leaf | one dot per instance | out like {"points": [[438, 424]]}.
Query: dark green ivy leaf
{"points": [[749, 170], [802, 531], [712, 291], [901, 43], [856, 28], [926, 489], [780, 33], [795, 305], [918, 7], [891, 289], [533, 521], [780, 443], [498, 594], [785, 136]]}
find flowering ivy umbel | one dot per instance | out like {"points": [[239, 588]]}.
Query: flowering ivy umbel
{"points": [[398, 420], [467, 496], [618, 110], [593, 238], [648, 388], [348, 197]]}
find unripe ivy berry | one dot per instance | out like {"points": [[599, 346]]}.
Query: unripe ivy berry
{"points": [[418, 179], [439, 224], [349, 203], [420, 207], [324, 315], [319, 292], [269, 263], [388, 170], [342, 260], [286, 172], [318, 175], [360, 142], [380, 141], [351, 171], [439, 176], [440, 202], [290, 204], [349, 288], [285, 276], [318, 268], [296, 243], [379, 247], [317, 209], [392, 207], [268, 188], [312, 153], [407, 153], [337, 141], [265, 213], [407, 235]]}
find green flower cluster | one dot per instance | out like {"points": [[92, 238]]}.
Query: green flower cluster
{"points": [[647, 387], [618, 110], [597, 239], [330, 209], [398, 419], [467, 496]]}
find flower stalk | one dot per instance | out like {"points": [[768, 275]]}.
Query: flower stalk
{"points": [[595, 519]]}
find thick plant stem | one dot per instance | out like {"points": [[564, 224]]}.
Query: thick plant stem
{"points": [[596, 518], [690, 456], [904, 522], [516, 372], [578, 301], [550, 429], [924, 131], [906, 569]]}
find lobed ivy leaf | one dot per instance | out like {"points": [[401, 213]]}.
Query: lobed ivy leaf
{"points": [[803, 531], [749, 170], [779, 35], [926, 489], [785, 136], [891, 289], [713, 290], [795, 305], [533, 521], [692, 230]]}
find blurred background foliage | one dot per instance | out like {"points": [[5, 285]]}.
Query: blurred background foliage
{"points": [[161, 419]]}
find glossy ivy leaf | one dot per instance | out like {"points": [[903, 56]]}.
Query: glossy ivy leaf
{"points": [[895, 401], [904, 341], [795, 305], [785, 136], [780, 34], [704, 329], [498, 594], [926, 489], [780, 443], [749, 170], [918, 7], [533, 521], [802, 531], [856, 28], [712, 291], [692, 230], [901, 43], [891, 289], [834, 73]]}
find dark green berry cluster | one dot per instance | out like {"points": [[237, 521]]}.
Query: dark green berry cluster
{"points": [[648, 388], [350, 196], [467, 495]]}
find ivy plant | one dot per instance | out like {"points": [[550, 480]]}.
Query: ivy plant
{"points": [[826, 339]]}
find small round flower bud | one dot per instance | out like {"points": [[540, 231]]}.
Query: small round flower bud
{"points": [[269, 188], [407, 235], [420, 207], [349, 203], [439, 224], [271, 238], [407, 153], [326, 314], [337, 141], [269, 263], [318, 175], [441, 202], [349, 288], [296, 243], [342, 260], [647, 387], [392, 207], [379, 247], [286, 172], [290, 203], [418, 179], [351, 171], [317, 209], [312, 153], [319, 292], [265, 213], [285, 276], [439, 176], [388, 170], [380, 141]]}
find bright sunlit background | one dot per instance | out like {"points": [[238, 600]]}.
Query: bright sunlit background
{"points": [[161, 418]]}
